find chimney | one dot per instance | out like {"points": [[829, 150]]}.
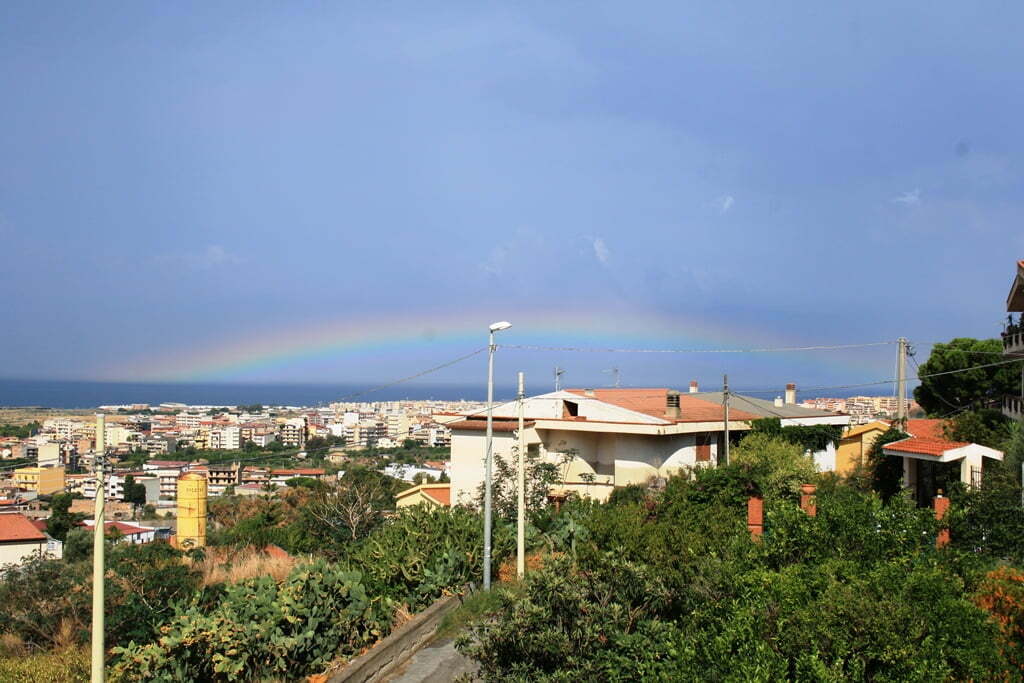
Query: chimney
{"points": [[588, 392], [672, 404], [790, 394], [778, 401], [693, 386]]}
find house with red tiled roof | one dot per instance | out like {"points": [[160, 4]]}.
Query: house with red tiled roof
{"points": [[19, 538], [434, 495], [603, 438], [1013, 341], [931, 461]]}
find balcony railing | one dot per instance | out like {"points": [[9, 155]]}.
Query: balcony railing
{"points": [[1013, 341], [1013, 407]]}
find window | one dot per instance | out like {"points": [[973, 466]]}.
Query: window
{"points": [[704, 447]]}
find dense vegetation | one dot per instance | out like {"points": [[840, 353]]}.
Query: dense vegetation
{"points": [[669, 585]]}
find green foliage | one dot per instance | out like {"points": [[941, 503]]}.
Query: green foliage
{"points": [[259, 629], [43, 602], [62, 521], [78, 545], [68, 665], [672, 588], [776, 465], [541, 475], [628, 495], [143, 583], [886, 471], [20, 431], [134, 494], [989, 519], [1013, 449], [979, 387], [984, 426], [811, 438]]}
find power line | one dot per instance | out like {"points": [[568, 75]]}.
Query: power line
{"points": [[410, 377], [584, 349]]}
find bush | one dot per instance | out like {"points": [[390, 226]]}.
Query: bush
{"points": [[68, 665], [777, 466]]}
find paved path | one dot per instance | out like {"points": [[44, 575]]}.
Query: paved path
{"points": [[437, 662]]}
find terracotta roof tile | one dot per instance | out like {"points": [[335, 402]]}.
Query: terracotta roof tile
{"points": [[930, 429], [17, 527], [481, 424], [653, 402], [924, 445], [442, 496]]}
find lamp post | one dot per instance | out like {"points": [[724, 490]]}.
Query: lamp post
{"points": [[496, 327]]}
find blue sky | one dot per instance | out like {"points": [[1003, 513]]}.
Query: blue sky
{"points": [[180, 176]]}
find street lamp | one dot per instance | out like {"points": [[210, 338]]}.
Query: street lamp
{"points": [[496, 327]]}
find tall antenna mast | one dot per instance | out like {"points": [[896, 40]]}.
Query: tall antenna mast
{"points": [[558, 378], [615, 376]]}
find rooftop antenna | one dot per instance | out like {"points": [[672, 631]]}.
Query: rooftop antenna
{"points": [[558, 378], [615, 376]]}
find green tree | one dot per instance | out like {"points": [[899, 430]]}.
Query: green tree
{"points": [[134, 494], [886, 471], [979, 387], [986, 426], [776, 465], [62, 521]]}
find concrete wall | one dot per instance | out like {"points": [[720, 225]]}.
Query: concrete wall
{"points": [[13, 553], [609, 459]]}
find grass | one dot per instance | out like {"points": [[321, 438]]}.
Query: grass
{"points": [[68, 664], [220, 566], [474, 607]]}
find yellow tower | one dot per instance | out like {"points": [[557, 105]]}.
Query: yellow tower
{"points": [[191, 511]]}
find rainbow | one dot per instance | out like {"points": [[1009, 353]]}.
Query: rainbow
{"points": [[261, 351]]}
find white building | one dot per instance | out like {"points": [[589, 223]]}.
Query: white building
{"points": [[605, 438], [19, 538]]}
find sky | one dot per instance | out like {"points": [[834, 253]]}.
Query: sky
{"points": [[351, 192]]}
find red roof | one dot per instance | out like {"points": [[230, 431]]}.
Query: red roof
{"points": [[924, 445], [441, 495], [930, 429], [15, 526], [653, 402], [125, 528], [498, 425]]}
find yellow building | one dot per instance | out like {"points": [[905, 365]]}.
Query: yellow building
{"points": [[42, 480], [855, 445], [431, 494], [191, 511]]}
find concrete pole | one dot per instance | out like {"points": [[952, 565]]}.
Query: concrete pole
{"points": [[724, 459], [901, 382], [487, 461], [99, 462], [521, 488]]}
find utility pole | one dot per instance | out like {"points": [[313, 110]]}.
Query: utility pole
{"points": [[558, 378], [901, 382], [521, 487], [99, 463], [724, 460], [489, 454]]}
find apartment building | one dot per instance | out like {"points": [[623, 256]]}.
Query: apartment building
{"points": [[42, 480], [225, 437], [1013, 340], [292, 432], [167, 473]]}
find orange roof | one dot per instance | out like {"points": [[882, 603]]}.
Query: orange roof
{"points": [[930, 429], [653, 402], [442, 496], [924, 445], [498, 425], [15, 526]]}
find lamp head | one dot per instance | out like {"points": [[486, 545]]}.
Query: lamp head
{"points": [[498, 327]]}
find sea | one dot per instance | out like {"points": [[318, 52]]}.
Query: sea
{"points": [[85, 394]]}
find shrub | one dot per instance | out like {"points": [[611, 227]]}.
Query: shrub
{"points": [[775, 465]]}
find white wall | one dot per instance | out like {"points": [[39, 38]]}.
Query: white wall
{"points": [[13, 553], [612, 459]]}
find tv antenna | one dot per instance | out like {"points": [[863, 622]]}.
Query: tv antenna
{"points": [[615, 376], [558, 378]]}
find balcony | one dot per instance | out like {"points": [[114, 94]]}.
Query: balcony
{"points": [[1013, 340], [1013, 407]]}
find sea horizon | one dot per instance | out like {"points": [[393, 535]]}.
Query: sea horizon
{"points": [[84, 394]]}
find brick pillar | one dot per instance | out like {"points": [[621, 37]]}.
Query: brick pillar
{"points": [[808, 503], [940, 506], [755, 517]]}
